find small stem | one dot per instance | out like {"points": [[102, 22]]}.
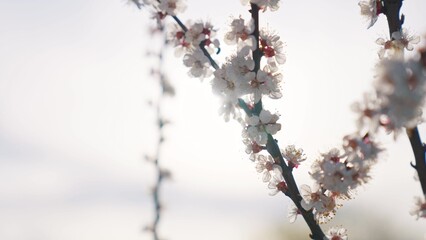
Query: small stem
{"points": [[207, 54], [180, 23]]}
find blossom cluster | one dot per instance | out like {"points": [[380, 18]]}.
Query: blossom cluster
{"points": [[398, 98], [337, 173]]}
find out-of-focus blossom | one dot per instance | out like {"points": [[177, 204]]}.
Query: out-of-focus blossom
{"points": [[171, 7], [419, 209], [198, 63], [370, 9], [336, 233]]}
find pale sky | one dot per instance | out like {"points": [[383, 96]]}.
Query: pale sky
{"points": [[75, 124]]}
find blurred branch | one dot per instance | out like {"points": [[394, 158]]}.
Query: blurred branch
{"points": [[392, 11]]}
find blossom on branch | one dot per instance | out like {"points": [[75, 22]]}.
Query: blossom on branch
{"points": [[394, 48], [322, 202], [337, 233], [171, 7], [258, 127], [419, 210], [277, 183], [292, 212], [241, 34], [266, 165], [293, 155], [197, 33], [370, 9], [272, 48], [198, 63]]}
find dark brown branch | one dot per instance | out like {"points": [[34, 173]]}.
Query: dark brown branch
{"points": [[391, 10]]}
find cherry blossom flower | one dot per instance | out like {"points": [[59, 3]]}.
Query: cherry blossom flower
{"points": [[229, 109], [260, 126], [224, 85], [393, 49], [336, 233], [364, 146], [368, 112], [266, 166], [264, 82], [188, 41], [322, 203], [292, 212], [241, 33], [370, 9], [272, 48], [171, 7], [277, 183], [177, 37], [198, 63], [419, 210], [293, 156]]}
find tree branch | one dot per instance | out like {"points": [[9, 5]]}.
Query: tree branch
{"points": [[392, 11]]}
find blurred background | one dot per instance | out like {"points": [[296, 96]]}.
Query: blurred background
{"points": [[75, 125]]}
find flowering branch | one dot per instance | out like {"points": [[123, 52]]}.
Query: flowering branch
{"points": [[391, 10], [400, 89], [290, 190]]}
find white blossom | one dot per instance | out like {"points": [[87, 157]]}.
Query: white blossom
{"points": [[394, 48], [171, 7], [272, 48], [198, 63], [292, 212], [266, 166], [323, 204], [419, 210], [277, 183], [241, 33], [336, 233], [400, 87], [260, 126], [370, 9], [293, 155]]}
